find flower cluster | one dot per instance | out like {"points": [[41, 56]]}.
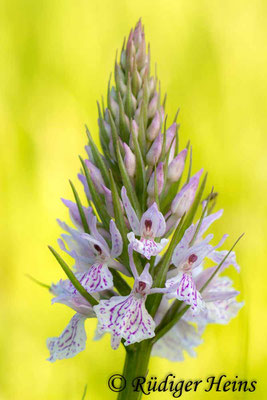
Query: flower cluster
{"points": [[138, 256]]}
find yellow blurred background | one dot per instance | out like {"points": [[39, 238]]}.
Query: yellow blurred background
{"points": [[55, 60]]}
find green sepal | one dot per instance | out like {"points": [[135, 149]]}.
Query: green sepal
{"points": [[140, 181], [129, 108], [163, 151], [80, 208], [201, 220], [156, 189], [145, 102], [72, 278], [176, 115], [135, 80], [38, 282], [119, 79], [104, 137], [98, 202], [114, 132], [98, 158], [84, 392], [190, 166], [124, 130], [176, 304], [142, 135], [176, 151], [221, 263]]}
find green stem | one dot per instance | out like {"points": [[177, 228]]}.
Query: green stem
{"points": [[136, 365]]}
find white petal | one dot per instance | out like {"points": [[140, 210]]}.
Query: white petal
{"points": [[71, 341], [207, 221], [94, 231], [218, 256], [116, 238], [147, 247]]}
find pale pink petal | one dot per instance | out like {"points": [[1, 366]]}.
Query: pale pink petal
{"points": [[96, 279], [131, 215], [218, 256], [95, 233], [71, 341], [146, 247], [156, 221], [116, 239]]}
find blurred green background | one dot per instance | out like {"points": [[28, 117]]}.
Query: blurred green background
{"points": [[55, 60]]}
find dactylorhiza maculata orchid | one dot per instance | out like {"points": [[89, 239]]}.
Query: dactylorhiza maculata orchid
{"points": [[139, 259]]}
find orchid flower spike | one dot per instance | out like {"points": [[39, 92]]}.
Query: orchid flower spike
{"points": [[152, 225], [140, 153]]}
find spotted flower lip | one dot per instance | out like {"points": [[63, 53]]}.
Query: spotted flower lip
{"points": [[151, 226], [126, 317], [73, 338]]}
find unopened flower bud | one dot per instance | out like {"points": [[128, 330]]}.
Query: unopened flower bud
{"points": [[152, 107], [154, 152], [109, 201], [176, 167], [111, 148], [96, 176], [138, 34], [114, 107], [151, 85], [154, 127], [141, 53], [184, 199], [129, 160], [170, 133], [119, 78], [134, 131], [160, 181], [172, 151], [130, 52], [138, 111], [107, 128]]}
